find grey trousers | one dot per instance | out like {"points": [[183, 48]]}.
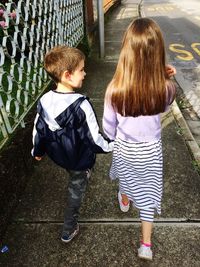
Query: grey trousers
{"points": [[77, 185]]}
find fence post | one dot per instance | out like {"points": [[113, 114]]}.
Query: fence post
{"points": [[101, 28]]}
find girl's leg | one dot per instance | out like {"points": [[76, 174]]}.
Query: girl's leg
{"points": [[146, 232], [147, 217], [124, 202], [125, 199]]}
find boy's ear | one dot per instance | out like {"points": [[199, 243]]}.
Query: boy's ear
{"points": [[67, 75]]}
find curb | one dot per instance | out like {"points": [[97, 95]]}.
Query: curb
{"points": [[189, 139]]}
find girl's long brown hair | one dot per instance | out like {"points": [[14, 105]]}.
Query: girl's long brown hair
{"points": [[139, 83]]}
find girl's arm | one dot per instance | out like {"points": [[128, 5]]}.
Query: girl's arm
{"points": [[170, 92], [109, 121]]}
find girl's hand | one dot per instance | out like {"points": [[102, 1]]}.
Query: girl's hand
{"points": [[38, 158], [170, 71]]}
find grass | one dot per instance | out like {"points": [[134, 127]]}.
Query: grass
{"points": [[196, 166]]}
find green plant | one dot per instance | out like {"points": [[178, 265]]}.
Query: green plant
{"points": [[179, 130], [181, 103], [84, 46], [196, 165]]}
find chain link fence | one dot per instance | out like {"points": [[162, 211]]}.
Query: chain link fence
{"points": [[28, 29]]}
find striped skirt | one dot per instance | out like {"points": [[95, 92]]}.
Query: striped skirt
{"points": [[139, 168]]}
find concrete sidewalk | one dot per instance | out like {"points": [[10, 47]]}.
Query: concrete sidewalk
{"points": [[107, 237]]}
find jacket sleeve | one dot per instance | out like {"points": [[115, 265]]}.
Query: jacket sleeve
{"points": [[109, 121], [38, 149], [93, 137]]}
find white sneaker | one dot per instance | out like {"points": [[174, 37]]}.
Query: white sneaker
{"points": [[123, 207], [145, 253]]}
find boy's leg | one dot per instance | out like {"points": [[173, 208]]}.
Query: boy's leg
{"points": [[77, 185]]}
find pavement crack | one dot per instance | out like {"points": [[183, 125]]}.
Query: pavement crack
{"points": [[161, 222]]}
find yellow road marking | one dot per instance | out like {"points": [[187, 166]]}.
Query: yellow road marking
{"points": [[160, 8], [183, 54]]}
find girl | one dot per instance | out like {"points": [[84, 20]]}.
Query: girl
{"points": [[139, 91]]}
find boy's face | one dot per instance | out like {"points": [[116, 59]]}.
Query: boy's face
{"points": [[77, 77]]}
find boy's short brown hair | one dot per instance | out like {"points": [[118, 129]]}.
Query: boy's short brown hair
{"points": [[60, 59]]}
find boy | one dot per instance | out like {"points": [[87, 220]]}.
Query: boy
{"points": [[66, 129]]}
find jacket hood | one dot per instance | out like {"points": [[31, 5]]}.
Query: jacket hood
{"points": [[64, 118]]}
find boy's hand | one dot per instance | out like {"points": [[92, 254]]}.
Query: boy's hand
{"points": [[170, 70], [38, 158]]}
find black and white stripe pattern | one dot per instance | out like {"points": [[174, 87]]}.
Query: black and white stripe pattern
{"points": [[139, 168]]}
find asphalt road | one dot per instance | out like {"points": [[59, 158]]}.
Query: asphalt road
{"points": [[180, 23]]}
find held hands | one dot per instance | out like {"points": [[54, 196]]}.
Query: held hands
{"points": [[170, 71], [38, 158]]}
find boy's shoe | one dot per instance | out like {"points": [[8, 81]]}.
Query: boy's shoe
{"points": [[145, 253], [123, 207], [68, 237]]}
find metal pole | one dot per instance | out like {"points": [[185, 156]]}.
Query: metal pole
{"points": [[101, 27]]}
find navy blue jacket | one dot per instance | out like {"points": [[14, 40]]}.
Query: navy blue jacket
{"points": [[66, 129]]}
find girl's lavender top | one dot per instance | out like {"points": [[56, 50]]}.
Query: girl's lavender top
{"points": [[133, 129]]}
